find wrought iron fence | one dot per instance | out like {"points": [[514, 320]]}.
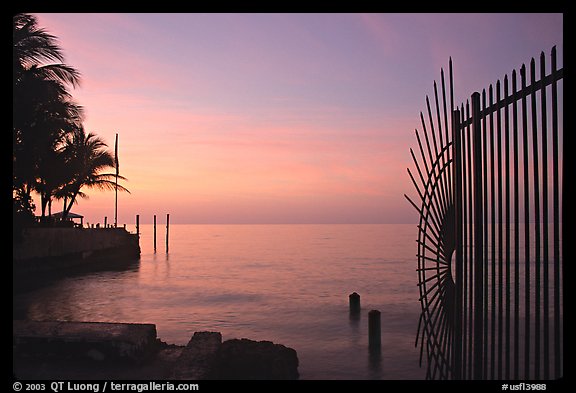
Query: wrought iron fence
{"points": [[490, 184]]}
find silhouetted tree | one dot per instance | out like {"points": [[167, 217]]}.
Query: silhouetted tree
{"points": [[52, 154], [34, 47], [86, 158], [43, 110]]}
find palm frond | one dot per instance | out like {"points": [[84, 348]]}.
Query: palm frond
{"points": [[32, 44], [61, 72], [34, 47], [105, 184]]}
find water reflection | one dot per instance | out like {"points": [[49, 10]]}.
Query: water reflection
{"points": [[355, 330], [264, 283], [34, 281], [375, 362]]}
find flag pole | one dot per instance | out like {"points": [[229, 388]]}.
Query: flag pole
{"points": [[117, 169]]}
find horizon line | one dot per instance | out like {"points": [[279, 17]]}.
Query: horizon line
{"points": [[277, 223]]}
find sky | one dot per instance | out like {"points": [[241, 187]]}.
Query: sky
{"points": [[276, 118]]}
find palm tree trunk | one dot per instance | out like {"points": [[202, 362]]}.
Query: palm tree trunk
{"points": [[72, 199], [44, 203]]}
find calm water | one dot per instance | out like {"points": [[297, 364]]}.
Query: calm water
{"points": [[284, 283]]}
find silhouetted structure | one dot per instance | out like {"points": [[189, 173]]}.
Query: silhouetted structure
{"points": [[354, 301], [374, 330], [490, 231], [70, 217]]}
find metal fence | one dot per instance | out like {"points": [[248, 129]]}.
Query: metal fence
{"points": [[490, 231]]}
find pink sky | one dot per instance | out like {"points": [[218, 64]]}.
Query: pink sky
{"points": [[283, 118]]}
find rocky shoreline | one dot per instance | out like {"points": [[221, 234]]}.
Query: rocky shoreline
{"points": [[97, 350]]}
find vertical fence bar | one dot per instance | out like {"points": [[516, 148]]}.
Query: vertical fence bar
{"points": [[478, 238], [452, 84], [500, 248], [470, 244], [507, 226], [556, 214], [492, 241], [465, 310], [545, 224], [526, 229], [516, 233], [537, 358], [457, 154], [485, 197]]}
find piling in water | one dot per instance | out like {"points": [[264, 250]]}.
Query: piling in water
{"points": [[354, 299], [167, 230], [374, 330]]}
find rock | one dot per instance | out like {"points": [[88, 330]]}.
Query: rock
{"points": [[95, 355], [256, 360], [197, 359]]}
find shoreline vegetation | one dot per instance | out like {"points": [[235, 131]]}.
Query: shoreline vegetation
{"points": [[53, 156]]}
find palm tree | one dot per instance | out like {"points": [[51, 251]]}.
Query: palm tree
{"points": [[34, 46], [87, 158], [52, 154], [46, 118], [43, 110]]}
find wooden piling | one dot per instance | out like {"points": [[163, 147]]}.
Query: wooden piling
{"points": [[154, 232], [105, 221], [167, 230], [374, 329], [137, 224], [354, 300]]}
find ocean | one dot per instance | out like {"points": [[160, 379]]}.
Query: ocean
{"points": [[283, 283]]}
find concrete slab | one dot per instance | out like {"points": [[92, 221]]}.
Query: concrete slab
{"points": [[96, 340]]}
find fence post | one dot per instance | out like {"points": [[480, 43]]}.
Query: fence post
{"points": [[478, 237], [457, 259]]}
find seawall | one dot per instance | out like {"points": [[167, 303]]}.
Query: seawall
{"points": [[48, 249]]}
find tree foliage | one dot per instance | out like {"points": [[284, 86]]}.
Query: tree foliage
{"points": [[52, 154]]}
